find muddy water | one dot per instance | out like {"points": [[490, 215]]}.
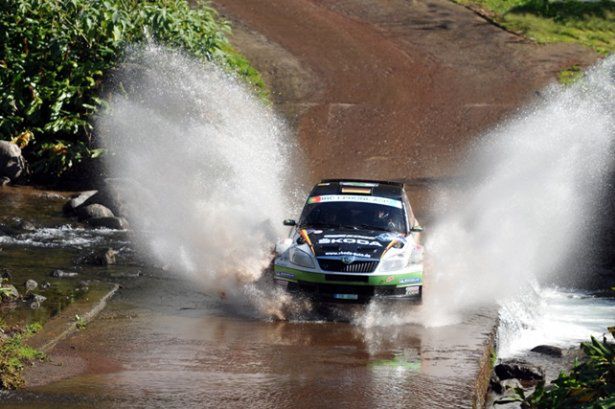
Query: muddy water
{"points": [[163, 343]]}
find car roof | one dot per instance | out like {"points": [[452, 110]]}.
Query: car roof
{"points": [[393, 190]]}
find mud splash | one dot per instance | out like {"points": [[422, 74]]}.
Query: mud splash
{"points": [[208, 169]]}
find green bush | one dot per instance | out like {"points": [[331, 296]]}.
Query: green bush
{"points": [[55, 55]]}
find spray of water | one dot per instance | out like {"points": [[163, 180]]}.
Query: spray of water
{"points": [[523, 214], [206, 169]]}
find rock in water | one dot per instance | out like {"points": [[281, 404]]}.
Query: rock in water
{"points": [[116, 223], [12, 164], [36, 301], [26, 225], [63, 274], [548, 350], [76, 201], [519, 370], [93, 211], [31, 285], [104, 257]]}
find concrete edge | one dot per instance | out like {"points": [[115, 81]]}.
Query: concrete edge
{"points": [[481, 385], [64, 324]]}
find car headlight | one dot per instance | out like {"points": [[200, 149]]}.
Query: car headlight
{"points": [[300, 258], [393, 263]]}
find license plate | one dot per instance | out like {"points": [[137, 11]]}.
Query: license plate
{"points": [[346, 296]]}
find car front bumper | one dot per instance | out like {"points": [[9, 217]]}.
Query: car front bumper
{"points": [[344, 287]]}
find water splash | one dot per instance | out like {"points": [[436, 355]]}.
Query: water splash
{"points": [[533, 186], [526, 203], [207, 169], [552, 316]]}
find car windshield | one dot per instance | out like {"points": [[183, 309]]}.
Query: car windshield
{"points": [[354, 215]]}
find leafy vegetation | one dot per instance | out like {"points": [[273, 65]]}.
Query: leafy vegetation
{"points": [[14, 354], [590, 384], [80, 322], [570, 75], [56, 54], [591, 23]]}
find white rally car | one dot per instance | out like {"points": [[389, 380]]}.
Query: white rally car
{"points": [[356, 240]]}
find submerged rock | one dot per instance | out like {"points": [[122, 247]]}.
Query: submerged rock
{"points": [[12, 164], [103, 257], [93, 211], [115, 223], [63, 274], [548, 350]]}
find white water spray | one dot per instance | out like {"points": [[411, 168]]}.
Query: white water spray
{"points": [[207, 164], [534, 183], [524, 212]]}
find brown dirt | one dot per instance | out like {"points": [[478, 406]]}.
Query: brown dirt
{"points": [[390, 88]]}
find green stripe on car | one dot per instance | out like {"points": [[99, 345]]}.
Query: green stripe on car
{"points": [[409, 278]]}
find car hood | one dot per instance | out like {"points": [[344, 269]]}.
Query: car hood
{"points": [[337, 243]]}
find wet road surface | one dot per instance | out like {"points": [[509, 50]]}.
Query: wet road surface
{"points": [[160, 343]]}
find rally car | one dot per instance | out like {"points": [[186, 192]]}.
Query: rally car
{"points": [[355, 240]]}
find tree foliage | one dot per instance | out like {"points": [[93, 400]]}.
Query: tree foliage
{"points": [[56, 54]]}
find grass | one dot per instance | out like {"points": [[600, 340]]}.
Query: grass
{"points": [[14, 354], [570, 75], [244, 70], [570, 21]]}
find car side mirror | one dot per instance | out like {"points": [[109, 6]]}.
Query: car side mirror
{"points": [[416, 229], [290, 222]]}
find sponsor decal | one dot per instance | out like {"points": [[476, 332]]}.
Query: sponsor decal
{"points": [[385, 201], [410, 280], [306, 237], [359, 184], [389, 279], [349, 236], [412, 290], [358, 190], [363, 242], [284, 274], [389, 236], [347, 253]]}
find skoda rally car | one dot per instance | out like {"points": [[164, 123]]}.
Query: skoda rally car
{"points": [[356, 240]]}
